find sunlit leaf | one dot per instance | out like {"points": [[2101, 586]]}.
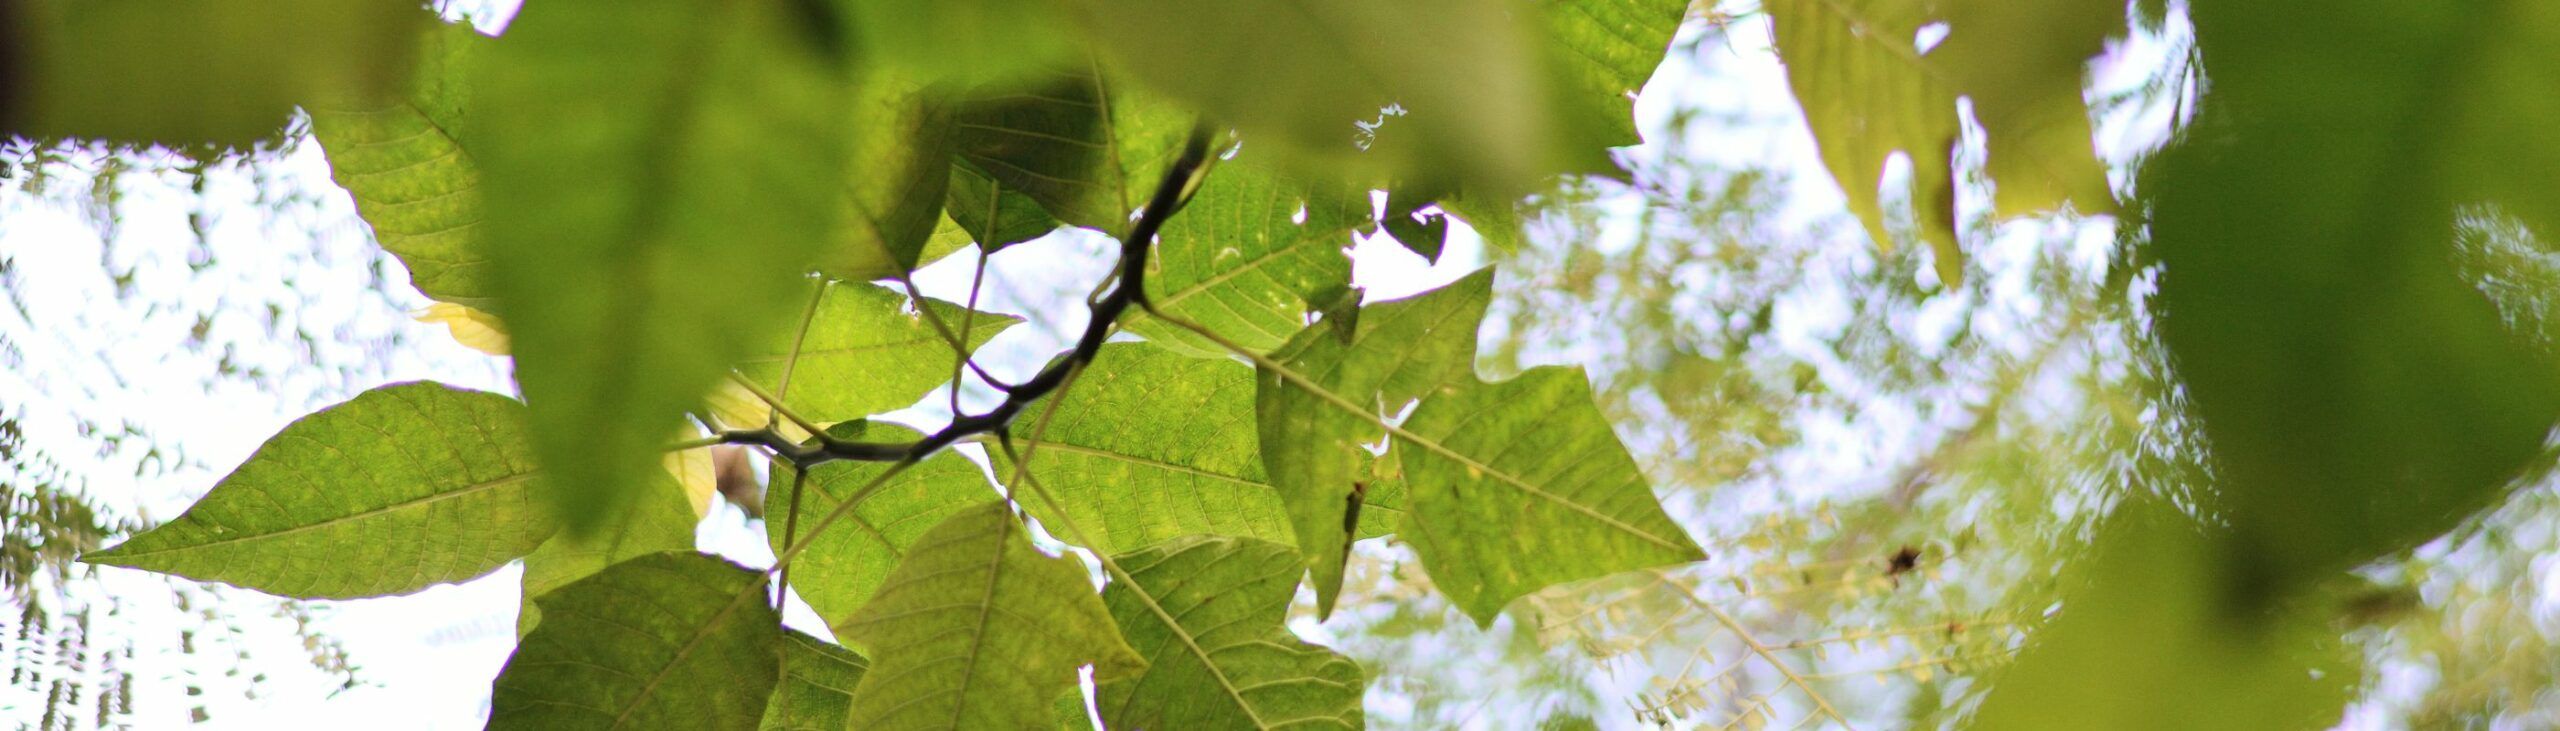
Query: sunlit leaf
{"points": [[671, 640], [1245, 257], [978, 629], [1207, 614], [1151, 445], [845, 565], [657, 181], [472, 328], [403, 158], [401, 488], [863, 350]]}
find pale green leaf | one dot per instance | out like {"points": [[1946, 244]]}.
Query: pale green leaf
{"points": [[816, 692], [1088, 150], [960, 40], [1208, 614], [660, 520], [901, 158], [978, 629], [1246, 255], [195, 72], [863, 350], [1151, 445], [1520, 485], [1312, 445], [671, 640], [658, 180], [401, 488], [1867, 95], [403, 159], [845, 565]]}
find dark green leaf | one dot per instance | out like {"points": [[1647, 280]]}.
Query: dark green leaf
{"points": [[993, 215], [816, 692], [1087, 150], [672, 640], [902, 143], [401, 488]]}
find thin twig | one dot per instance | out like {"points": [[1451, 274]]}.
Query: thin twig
{"points": [[776, 402]]}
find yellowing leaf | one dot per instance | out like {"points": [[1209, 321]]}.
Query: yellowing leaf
{"points": [[475, 329]]}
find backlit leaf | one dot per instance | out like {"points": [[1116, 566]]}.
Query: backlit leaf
{"points": [[670, 640], [1088, 150], [1246, 255], [978, 629], [658, 522], [401, 488], [1208, 615], [816, 691], [402, 157], [844, 566], [863, 351], [902, 143]]}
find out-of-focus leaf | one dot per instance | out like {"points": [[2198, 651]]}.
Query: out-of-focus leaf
{"points": [[1311, 447], [1867, 95], [845, 565], [658, 522], [1087, 150], [671, 640], [960, 41], [1520, 485], [1246, 255], [402, 157], [978, 629], [1153, 445], [2021, 64], [816, 692], [993, 215], [1207, 614], [401, 488], [1601, 52], [902, 143], [472, 328], [862, 351], [659, 177], [195, 72], [2145, 626]]}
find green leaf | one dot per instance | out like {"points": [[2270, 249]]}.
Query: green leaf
{"points": [[2021, 64], [1312, 447], [1520, 485], [1208, 615], [1298, 75], [862, 351], [672, 640], [661, 520], [1089, 151], [978, 629], [902, 144], [993, 215], [403, 159], [1151, 445], [1245, 257], [816, 692], [1602, 52], [196, 72], [844, 566], [658, 179], [1867, 95], [401, 488], [960, 40]]}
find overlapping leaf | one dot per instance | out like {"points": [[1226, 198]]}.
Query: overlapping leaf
{"points": [[1311, 444], [1246, 255], [401, 488], [657, 522], [993, 215], [1602, 52], [403, 159], [845, 565], [195, 72], [862, 351], [978, 629], [1088, 150], [1152, 445], [816, 691], [671, 640], [658, 179], [1207, 614], [902, 144]]}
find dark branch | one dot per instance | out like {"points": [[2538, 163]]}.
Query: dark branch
{"points": [[1130, 288]]}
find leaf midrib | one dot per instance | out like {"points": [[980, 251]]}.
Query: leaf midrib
{"points": [[467, 490]]}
